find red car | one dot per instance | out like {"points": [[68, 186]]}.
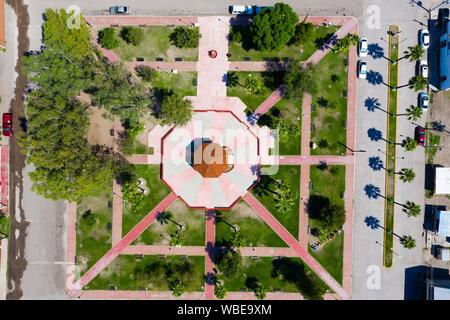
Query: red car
{"points": [[7, 124], [420, 135]]}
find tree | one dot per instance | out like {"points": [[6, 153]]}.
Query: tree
{"points": [[407, 175], [417, 83], [411, 209], [238, 240], [165, 217], [272, 29], [175, 110], [329, 216], [409, 144], [177, 287], [145, 72], [414, 113], [219, 290], [132, 35], [414, 53], [108, 38], [75, 41], [185, 37], [252, 85], [344, 43], [287, 130], [177, 238], [260, 291], [131, 193], [232, 79], [230, 263], [408, 242], [303, 31], [285, 198], [299, 78]]}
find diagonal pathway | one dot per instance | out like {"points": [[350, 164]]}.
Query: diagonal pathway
{"points": [[294, 244], [125, 241], [271, 100]]}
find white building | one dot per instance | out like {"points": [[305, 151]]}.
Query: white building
{"points": [[442, 184]]}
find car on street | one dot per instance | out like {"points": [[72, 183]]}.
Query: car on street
{"points": [[243, 10], [363, 47], [258, 9], [424, 100], [362, 69], [423, 68], [119, 10], [420, 135], [7, 124], [424, 38]]}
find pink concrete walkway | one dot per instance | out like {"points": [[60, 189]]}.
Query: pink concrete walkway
{"points": [[271, 100], [210, 242], [272, 296], [294, 244], [163, 65], [314, 160], [117, 213], [125, 241], [258, 66], [134, 295], [112, 20], [306, 124]]}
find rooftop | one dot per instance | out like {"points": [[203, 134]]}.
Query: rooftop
{"points": [[444, 223], [442, 181]]}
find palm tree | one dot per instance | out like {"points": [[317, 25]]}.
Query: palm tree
{"points": [[219, 290], [414, 113], [409, 144], [411, 209], [260, 291], [233, 79], [414, 53], [165, 217], [177, 238], [3, 235], [177, 288], [238, 240], [285, 198], [417, 83], [407, 175], [253, 85], [408, 242]]}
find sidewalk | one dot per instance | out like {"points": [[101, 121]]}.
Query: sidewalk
{"points": [[3, 267]]}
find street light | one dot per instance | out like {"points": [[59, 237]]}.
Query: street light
{"points": [[390, 249]]}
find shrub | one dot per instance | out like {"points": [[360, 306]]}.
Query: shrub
{"points": [[145, 73], [108, 38], [302, 32], [185, 37], [236, 34], [132, 35]]}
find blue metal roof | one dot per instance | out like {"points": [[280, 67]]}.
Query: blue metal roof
{"points": [[444, 223], [444, 59]]}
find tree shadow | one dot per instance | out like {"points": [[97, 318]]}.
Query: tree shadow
{"points": [[375, 51], [375, 78], [326, 42], [372, 222], [266, 186], [373, 104], [316, 203], [374, 134], [372, 191], [273, 79], [376, 163], [439, 126]]}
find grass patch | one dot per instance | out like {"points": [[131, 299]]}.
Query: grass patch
{"points": [[123, 273], [290, 220], [329, 182], [241, 51], [183, 83], [390, 152], [156, 44], [94, 224], [330, 104], [255, 230], [432, 141], [330, 256], [5, 226], [194, 227], [158, 191]]}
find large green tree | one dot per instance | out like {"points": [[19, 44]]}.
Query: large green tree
{"points": [[299, 78], [185, 37], [175, 110], [230, 263], [272, 29]]}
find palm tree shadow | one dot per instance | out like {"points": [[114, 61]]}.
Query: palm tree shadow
{"points": [[373, 104], [376, 163], [372, 222], [375, 78], [372, 191], [375, 51], [375, 134], [326, 42]]}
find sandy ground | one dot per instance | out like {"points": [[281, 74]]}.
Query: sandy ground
{"points": [[99, 130]]}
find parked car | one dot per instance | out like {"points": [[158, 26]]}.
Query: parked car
{"points": [[119, 10], [424, 38], [362, 69], [423, 67], [363, 47], [420, 135], [258, 9], [7, 124], [424, 100], [244, 10]]}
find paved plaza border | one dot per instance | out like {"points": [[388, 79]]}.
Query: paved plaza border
{"points": [[297, 248]]}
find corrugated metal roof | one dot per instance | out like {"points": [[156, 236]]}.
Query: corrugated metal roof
{"points": [[444, 223], [441, 293], [444, 59]]}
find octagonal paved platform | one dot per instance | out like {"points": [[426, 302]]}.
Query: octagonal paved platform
{"points": [[217, 127]]}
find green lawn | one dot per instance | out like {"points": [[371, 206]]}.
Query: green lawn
{"points": [[156, 44], [432, 141], [330, 256], [94, 222], [255, 230], [183, 83], [330, 104], [150, 272], [290, 220], [192, 220], [302, 52], [329, 182], [158, 190], [5, 225]]}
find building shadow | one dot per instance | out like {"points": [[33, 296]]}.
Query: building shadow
{"points": [[433, 53], [430, 216], [415, 286]]}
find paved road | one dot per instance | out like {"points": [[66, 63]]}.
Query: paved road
{"points": [[368, 254]]}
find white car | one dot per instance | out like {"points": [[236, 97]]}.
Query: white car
{"points": [[362, 69], [244, 10], [424, 100], [424, 38], [423, 67], [363, 47]]}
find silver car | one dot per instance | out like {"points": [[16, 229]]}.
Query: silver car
{"points": [[119, 10]]}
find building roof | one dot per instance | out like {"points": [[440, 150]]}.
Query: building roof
{"points": [[444, 223], [444, 254], [441, 293], [210, 160], [2, 24], [442, 185], [444, 59]]}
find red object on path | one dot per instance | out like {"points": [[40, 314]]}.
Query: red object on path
{"points": [[7, 124], [212, 54]]}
